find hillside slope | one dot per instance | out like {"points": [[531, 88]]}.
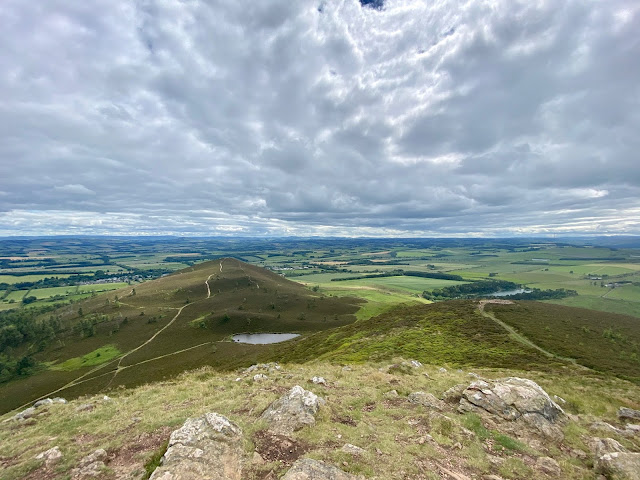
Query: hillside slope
{"points": [[368, 406], [178, 322]]}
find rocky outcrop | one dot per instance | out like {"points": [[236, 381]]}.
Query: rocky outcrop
{"points": [[51, 456], [294, 410], [426, 400], [208, 447], [514, 399], [619, 466], [628, 414], [308, 469], [602, 446], [454, 394], [90, 466]]}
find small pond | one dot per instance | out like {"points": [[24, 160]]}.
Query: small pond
{"points": [[263, 338], [507, 293]]}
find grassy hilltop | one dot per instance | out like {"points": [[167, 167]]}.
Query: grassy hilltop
{"points": [[160, 328]]}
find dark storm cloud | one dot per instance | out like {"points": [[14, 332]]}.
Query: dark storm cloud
{"points": [[331, 118]]}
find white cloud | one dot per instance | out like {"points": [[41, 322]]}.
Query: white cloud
{"points": [[422, 118]]}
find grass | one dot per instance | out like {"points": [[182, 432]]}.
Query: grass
{"points": [[448, 332], [377, 301], [135, 424], [97, 357], [601, 304], [11, 279], [606, 342], [155, 459]]}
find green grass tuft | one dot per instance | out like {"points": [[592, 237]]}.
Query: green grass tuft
{"points": [[97, 357]]}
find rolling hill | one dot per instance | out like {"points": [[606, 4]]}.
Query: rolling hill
{"points": [[181, 321]]}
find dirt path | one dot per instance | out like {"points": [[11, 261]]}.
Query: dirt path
{"points": [[206, 282], [512, 332], [82, 378]]}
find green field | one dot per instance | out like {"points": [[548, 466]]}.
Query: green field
{"points": [[11, 279], [97, 357]]}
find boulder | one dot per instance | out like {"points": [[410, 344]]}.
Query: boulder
{"points": [[319, 381], [513, 399], [27, 413], [454, 394], [292, 411], [549, 466], [259, 377], [352, 449], [308, 469], [426, 400], [51, 456], [90, 466], [602, 446], [207, 447], [628, 414], [619, 466], [44, 401]]}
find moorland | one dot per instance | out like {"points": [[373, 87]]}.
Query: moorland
{"points": [[125, 316]]}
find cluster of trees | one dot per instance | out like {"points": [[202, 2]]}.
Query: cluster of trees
{"points": [[396, 273], [20, 335], [469, 290]]}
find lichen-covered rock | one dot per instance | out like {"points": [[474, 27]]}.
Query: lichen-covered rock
{"points": [[207, 447], [515, 398], [549, 466], [51, 456], [454, 394], [294, 410], [628, 414], [352, 449], [426, 400], [602, 446], [308, 469], [90, 466], [619, 466]]}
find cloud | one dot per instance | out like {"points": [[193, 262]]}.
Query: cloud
{"points": [[409, 118]]}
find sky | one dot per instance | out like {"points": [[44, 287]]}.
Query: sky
{"points": [[320, 117]]}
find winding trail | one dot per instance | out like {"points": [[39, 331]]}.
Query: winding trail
{"points": [[513, 333], [118, 368], [119, 365]]}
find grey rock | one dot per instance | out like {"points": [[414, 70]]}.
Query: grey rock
{"points": [[415, 363], [619, 466], [44, 401], [51, 456], [391, 394], [602, 446], [628, 414], [513, 399], [632, 429], [442, 370], [319, 381], [260, 377], [85, 407], [268, 367], [308, 469], [353, 449], [90, 466], [59, 400], [426, 400], [294, 410], [207, 447], [25, 414], [548, 465], [454, 394]]}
